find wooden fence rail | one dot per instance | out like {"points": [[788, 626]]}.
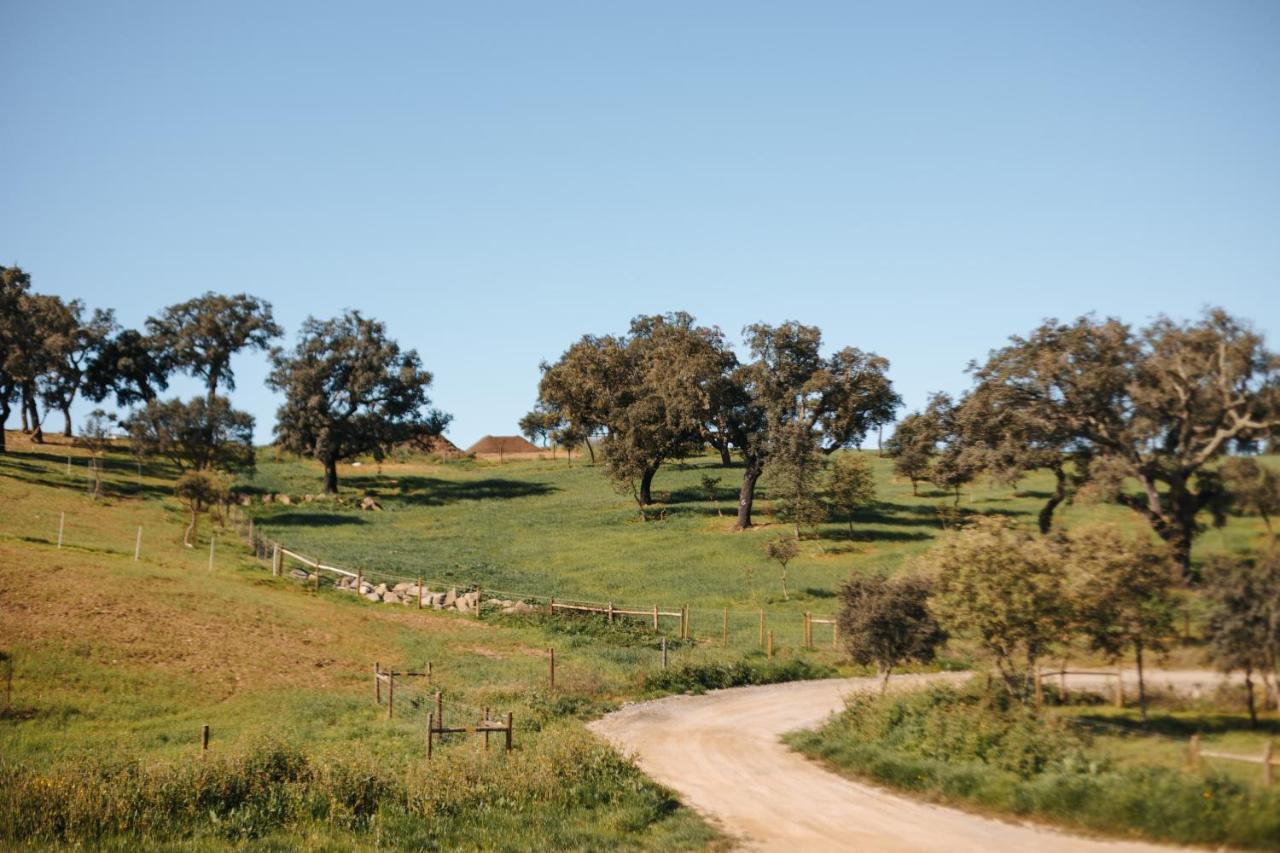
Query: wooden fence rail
{"points": [[1267, 759]]}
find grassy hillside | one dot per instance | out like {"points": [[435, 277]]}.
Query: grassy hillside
{"points": [[117, 663]]}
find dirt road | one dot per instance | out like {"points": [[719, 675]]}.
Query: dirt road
{"points": [[720, 752]]}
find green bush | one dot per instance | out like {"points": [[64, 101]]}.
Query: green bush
{"points": [[973, 747], [697, 678]]}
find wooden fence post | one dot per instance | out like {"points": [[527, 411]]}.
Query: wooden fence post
{"points": [[431, 724], [251, 531], [684, 622], [1268, 770], [1062, 683], [664, 652], [551, 606], [551, 667], [510, 729], [835, 633], [212, 540], [439, 710], [1119, 690], [62, 520], [486, 728], [204, 740], [377, 683], [808, 630], [359, 581], [1193, 752], [428, 672], [770, 644], [137, 545], [610, 612], [391, 692], [479, 601], [655, 617], [277, 560]]}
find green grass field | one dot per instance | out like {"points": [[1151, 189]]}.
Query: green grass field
{"points": [[117, 663]]}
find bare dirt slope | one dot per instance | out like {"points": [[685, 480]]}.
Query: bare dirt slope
{"points": [[721, 753]]}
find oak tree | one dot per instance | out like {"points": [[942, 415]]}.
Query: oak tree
{"points": [[350, 390]]}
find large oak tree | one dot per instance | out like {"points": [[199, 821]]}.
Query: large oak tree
{"points": [[1152, 407], [350, 390]]}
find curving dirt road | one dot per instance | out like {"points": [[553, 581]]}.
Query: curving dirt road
{"points": [[721, 753]]}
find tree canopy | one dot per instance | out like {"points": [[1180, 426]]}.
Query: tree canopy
{"points": [[350, 390], [201, 334]]}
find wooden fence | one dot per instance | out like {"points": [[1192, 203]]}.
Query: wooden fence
{"points": [[1195, 755]]}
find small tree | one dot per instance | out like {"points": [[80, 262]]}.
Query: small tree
{"points": [[193, 435], [793, 469], [198, 490], [783, 549], [912, 447], [711, 489], [887, 622], [1003, 587], [95, 437], [1244, 619], [851, 486], [1124, 595]]}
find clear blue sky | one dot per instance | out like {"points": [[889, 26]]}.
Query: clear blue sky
{"points": [[494, 180]]}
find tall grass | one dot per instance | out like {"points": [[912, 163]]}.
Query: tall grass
{"points": [[968, 746], [570, 793]]}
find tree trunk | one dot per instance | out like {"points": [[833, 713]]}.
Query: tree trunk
{"points": [[1142, 686], [851, 529], [646, 485], [1059, 495], [785, 597], [884, 679], [4, 418], [1253, 708], [747, 494], [66, 415], [880, 441], [191, 530], [725, 459], [330, 476], [591, 451], [37, 431], [915, 489], [22, 409]]}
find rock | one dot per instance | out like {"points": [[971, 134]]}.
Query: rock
{"points": [[373, 596], [284, 499], [437, 600], [306, 499], [380, 589], [449, 598], [403, 585], [246, 500], [299, 574], [266, 499], [366, 587], [391, 598], [520, 607], [368, 503]]}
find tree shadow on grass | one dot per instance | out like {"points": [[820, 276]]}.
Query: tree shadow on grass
{"points": [[1182, 726], [311, 519], [112, 484], [433, 491]]}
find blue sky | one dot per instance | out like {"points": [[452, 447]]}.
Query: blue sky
{"points": [[494, 180]]}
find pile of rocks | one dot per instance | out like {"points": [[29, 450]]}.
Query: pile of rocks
{"points": [[407, 593]]}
